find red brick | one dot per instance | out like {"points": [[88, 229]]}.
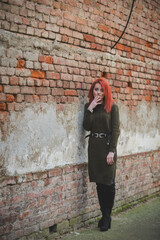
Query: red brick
{"points": [[149, 44], [3, 116], [53, 75], [104, 28], [41, 201], [13, 80], [48, 192], [70, 92], [81, 21], [65, 38], [77, 35], [128, 73], [28, 98], [57, 91], [37, 74], [148, 98], [46, 59], [120, 71], [135, 68], [19, 98], [2, 97], [39, 175], [117, 90], [45, 83], [10, 98], [98, 47], [52, 83], [127, 49], [12, 89], [148, 82], [120, 47], [49, 59], [43, 98], [89, 38], [10, 106], [42, 25], [36, 98], [136, 39], [21, 63], [93, 45], [128, 90], [69, 17], [117, 83], [28, 90], [38, 82], [43, 90], [87, 2], [117, 33], [2, 106], [25, 21], [41, 58], [23, 215]]}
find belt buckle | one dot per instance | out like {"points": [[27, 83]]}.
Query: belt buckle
{"points": [[96, 135], [101, 135]]}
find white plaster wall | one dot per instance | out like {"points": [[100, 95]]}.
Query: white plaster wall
{"points": [[42, 137], [140, 130]]}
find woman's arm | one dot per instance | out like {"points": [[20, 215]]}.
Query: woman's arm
{"points": [[115, 131], [115, 134], [88, 117]]}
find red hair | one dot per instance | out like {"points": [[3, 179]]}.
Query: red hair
{"points": [[108, 100]]}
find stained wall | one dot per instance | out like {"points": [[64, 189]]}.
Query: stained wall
{"points": [[50, 53]]}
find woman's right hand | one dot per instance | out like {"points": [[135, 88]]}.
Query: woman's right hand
{"points": [[96, 101]]}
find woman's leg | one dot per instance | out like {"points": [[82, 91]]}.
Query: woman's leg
{"points": [[106, 195]]}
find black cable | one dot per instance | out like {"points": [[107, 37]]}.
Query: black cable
{"points": [[125, 26]]}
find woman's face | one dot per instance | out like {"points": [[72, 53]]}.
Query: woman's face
{"points": [[98, 91]]}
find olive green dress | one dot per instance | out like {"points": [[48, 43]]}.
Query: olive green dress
{"points": [[99, 121]]}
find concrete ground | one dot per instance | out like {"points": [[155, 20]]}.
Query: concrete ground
{"points": [[138, 223]]}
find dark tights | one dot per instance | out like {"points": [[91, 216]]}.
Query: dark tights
{"points": [[106, 195]]}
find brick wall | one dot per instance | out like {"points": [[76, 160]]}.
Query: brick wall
{"points": [[57, 201], [132, 68], [50, 53]]}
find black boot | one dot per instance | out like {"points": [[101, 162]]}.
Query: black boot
{"points": [[101, 201], [106, 195], [106, 220], [111, 197]]}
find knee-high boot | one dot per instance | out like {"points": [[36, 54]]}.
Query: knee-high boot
{"points": [[100, 195], [111, 197], [106, 195], [104, 222]]}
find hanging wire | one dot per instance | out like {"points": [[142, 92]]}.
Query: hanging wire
{"points": [[126, 25]]}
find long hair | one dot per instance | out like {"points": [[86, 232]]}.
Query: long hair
{"points": [[108, 100]]}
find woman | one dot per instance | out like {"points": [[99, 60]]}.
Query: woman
{"points": [[101, 118]]}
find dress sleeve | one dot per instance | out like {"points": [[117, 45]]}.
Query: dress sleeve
{"points": [[115, 130], [88, 117]]}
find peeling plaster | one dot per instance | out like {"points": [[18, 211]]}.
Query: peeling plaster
{"points": [[140, 130], [42, 137]]}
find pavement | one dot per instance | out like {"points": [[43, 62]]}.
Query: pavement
{"points": [[141, 222]]}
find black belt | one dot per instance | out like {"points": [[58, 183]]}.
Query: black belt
{"points": [[100, 135]]}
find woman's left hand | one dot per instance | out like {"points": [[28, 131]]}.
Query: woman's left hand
{"points": [[110, 158]]}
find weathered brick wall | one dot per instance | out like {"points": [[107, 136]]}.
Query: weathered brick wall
{"points": [[49, 54], [56, 201], [132, 67]]}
